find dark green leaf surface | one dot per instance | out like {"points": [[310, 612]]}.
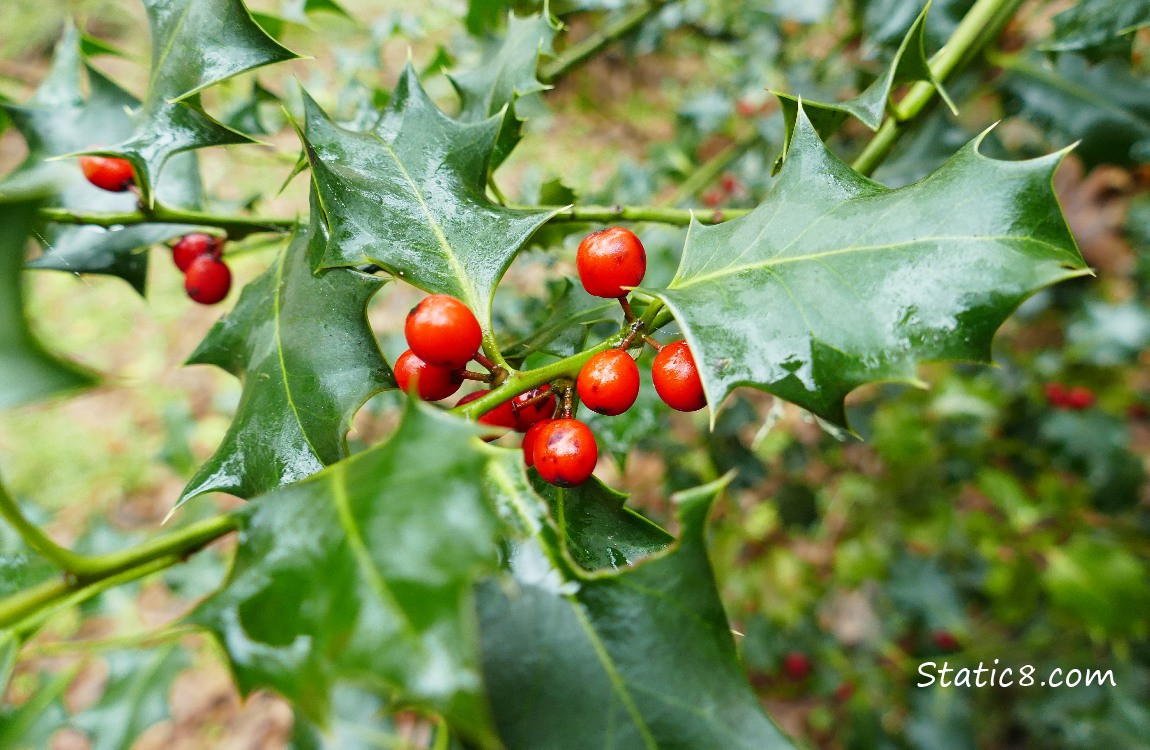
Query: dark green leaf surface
{"points": [[599, 531], [59, 120], [837, 281], [1103, 105], [363, 573], [909, 64], [1099, 28], [410, 197], [135, 696], [27, 371], [641, 658], [507, 72], [308, 360]]}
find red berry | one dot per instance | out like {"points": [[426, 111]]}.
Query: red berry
{"points": [[797, 666], [526, 416], [945, 640], [731, 183], [746, 108], [192, 246], [1079, 397], [677, 378], [108, 173], [713, 198], [609, 382], [609, 260], [565, 452], [443, 331], [1055, 394], [500, 416], [845, 691], [434, 383], [529, 439], [208, 280]]}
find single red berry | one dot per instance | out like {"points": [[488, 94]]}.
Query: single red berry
{"points": [[844, 692], [730, 183], [1055, 394], [529, 414], [434, 383], [443, 331], [609, 260], [192, 246], [713, 198], [565, 452], [797, 666], [746, 108], [108, 173], [609, 382], [500, 416], [207, 280], [1079, 397], [677, 378], [529, 439], [945, 640]]}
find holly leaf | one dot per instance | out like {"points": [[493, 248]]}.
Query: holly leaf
{"points": [[507, 72], [363, 574], [1103, 105], [59, 120], [869, 107], [30, 371], [195, 44], [410, 197], [135, 696], [308, 360], [635, 658], [1099, 28], [836, 281]]}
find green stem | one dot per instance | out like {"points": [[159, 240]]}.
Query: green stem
{"points": [[979, 27], [237, 227], [62, 558], [580, 52], [656, 214]]}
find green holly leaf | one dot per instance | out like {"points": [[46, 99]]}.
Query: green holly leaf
{"points": [[363, 574], [410, 197], [636, 658], [869, 107], [507, 72], [1102, 585], [59, 120], [836, 281], [30, 371], [1099, 28], [1104, 105], [308, 360], [135, 696], [599, 531], [195, 44]]}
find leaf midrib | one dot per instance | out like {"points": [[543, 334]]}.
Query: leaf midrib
{"points": [[277, 306]]}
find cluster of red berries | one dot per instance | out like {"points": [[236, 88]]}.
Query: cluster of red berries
{"points": [[207, 279], [1075, 398]]}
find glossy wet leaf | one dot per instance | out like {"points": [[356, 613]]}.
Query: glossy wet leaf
{"points": [[410, 197], [135, 696], [836, 281], [308, 360], [640, 658], [1099, 28], [506, 73], [28, 372], [363, 574], [1103, 105], [58, 120], [909, 64], [195, 44]]}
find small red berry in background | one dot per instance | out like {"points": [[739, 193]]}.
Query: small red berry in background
{"points": [[1079, 397], [677, 378], [713, 198], [609, 382], [108, 173], [565, 452], [527, 415], [747, 108], [844, 692], [192, 246], [207, 280], [529, 439], [797, 666], [609, 260], [1055, 394], [443, 332], [500, 416], [945, 640], [434, 383], [730, 183]]}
